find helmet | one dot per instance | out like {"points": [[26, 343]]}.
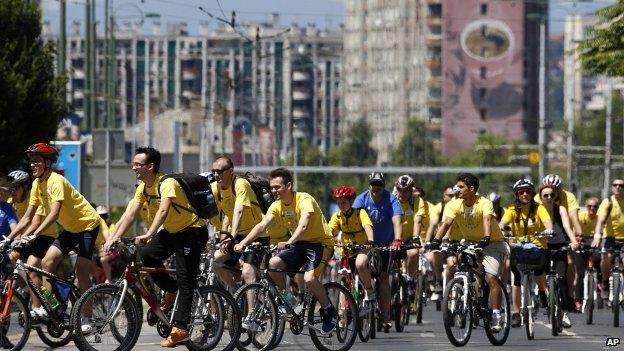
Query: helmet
{"points": [[523, 184], [343, 191], [455, 189], [404, 182], [101, 210], [20, 177], [208, 175], [374, 262], [44, 150], [376, 177], [494, 197], [552, 179]]}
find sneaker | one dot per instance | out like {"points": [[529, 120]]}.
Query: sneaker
{"points": [[387, 326], [516, 321], [496, 323], [330, 318], [168, 301], [565, 321], [86, 328], [435, 296], [249, 324], [176, 337]]}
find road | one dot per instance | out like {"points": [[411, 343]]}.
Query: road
{"points": [[431, 336]]}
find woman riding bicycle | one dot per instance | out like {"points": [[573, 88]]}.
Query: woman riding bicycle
{"points": [[357, 229], [526, 218], [563, 235]]}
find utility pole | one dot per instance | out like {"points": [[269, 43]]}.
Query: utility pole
{"points": [[93, 65], [63, 41], [542, 103], [607, 166], [146, 96], [86, 119]]}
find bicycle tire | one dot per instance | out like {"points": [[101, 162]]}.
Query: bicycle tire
{"points": [[265, 301], [207, 301], [499, 339], [281, 328], [419, 296], [130, 311], [552, 306], [397, 304], [589, 299], [373, 321], [406, 301], [529, 326], [49, 339], [22, 317], [451, 303], [346, 313], [615, 304], [367, 320]]}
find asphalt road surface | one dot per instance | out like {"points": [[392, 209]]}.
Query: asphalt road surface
{"points": [[430, 335]]}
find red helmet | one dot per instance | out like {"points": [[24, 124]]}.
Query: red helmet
{"points": [[344, 191], [404, 182], [44, 150]]}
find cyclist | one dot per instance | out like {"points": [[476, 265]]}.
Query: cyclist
{"points": [[59, 202], [562, 236], [240, 212], [498, 209], [526, 217], [175, 229], [356, 228], [475, 218], [611, 217], [385, 212], [21, 191], [8, 218], [413, 212], [588, 218], [310, 245]]}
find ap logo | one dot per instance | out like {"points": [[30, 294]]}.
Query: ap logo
{"points": [[613, 342]]}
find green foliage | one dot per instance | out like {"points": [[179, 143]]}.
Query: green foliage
{"points": [[31, 97], [603, 50], [415, 147]]}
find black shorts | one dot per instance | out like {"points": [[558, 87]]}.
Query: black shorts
{"points": [[37, 248], [385, 258], [309, 256], [84, 241], [612, 244], [247, 257]]}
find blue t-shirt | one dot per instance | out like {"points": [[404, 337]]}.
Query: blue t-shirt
{"points": [[380, 214], [7, 217]]}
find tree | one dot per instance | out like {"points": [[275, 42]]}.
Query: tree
{"points": [[32, 100], [415, 147], [603, 50]]}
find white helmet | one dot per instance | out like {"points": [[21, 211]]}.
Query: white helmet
{"points": [[494, 197], [20, 177], [552, 179], [101, 210]]}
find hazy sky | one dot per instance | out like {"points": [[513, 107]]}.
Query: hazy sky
{"points": [[324, 13]]}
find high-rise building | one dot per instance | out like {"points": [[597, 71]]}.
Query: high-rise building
{"points": [[250, 97]]}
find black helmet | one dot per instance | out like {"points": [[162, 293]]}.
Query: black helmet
{"points": [[376, 178]]}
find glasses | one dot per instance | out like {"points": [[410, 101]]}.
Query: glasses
{"points": [[592, 206], [220, 171], [618, 185], [524, 192], [139, 165], [548, 196], [449, 195]]}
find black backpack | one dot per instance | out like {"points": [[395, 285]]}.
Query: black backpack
{"points": [[199, 193], [260, 186]]}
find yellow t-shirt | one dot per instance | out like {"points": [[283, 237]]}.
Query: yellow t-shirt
{"points": [[566, 199], [453, 233], [144, 213], [102, 233], [470, 219], [245, 196], [615, 223], [534, 224], [20, 207], [424, 211], [409, 211], [180, 215], [149, 198], [52, 229], [289, 215], [76, 214], [588, 225], [277, 232], [351, 224]]}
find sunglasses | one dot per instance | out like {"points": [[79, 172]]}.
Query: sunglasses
{"points": [[524, 192], [592, 206], [220, 171], [548, 196], [618, 185]]}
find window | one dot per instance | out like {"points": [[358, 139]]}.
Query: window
{"points": [[482, 93], [484, 8], [483, 114], [483, 72]]}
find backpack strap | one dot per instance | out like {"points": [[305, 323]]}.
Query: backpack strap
{"points": [[609, 208]]}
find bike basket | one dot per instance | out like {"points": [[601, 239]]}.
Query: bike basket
{"points": [[528, 254], [63, 290]]}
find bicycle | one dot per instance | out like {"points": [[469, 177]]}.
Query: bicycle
{"points": [[466, 299], [590, 294], [110, 308], [616, 285], [262, 317], [555, 293], [58, 329]]}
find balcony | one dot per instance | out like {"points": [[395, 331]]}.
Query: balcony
{"points": [[434, 62], [300, 113], [299, 76], [434, 40], [301, 94], [434, 21]]}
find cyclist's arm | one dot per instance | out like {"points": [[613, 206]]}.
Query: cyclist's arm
{"points": [[159, 218], [126, 220], [576, 224], [225, 224], [417, 226], [487, 221], [55, 209], [398, 227], [566, 224], [369, 232], [24, 222], [236, 218], [548, 225], [433, 222], [444, 227], [600, 223], [257, 229], [301, 227]]}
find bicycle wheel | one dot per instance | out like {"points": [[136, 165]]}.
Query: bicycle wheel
{"points": [[343, 337], [373, 320], [215, 320], [15, 327], [529, 326], [95, 308], [261, 318], [457, 315], [497, 338], [54, 336], [419, 296], [589, 299], [367, 320], [615, 304], [407, 300], [281, 327], [397, 303], [553, 306]]}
